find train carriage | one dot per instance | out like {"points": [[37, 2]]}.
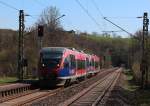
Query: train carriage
{"points": [[60, 65], [96, 64]]}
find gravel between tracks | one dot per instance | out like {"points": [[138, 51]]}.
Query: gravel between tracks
{"points": [[119, 96], [65, 94]]}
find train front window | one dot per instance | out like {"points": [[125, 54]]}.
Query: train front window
{"points": [[51, 60], [51, 55], [50, 63]]}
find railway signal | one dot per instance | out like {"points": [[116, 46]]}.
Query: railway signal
{"points": [[40, 35], [40, 31]]}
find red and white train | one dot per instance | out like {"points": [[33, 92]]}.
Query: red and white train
{"points": [[60, 65]]}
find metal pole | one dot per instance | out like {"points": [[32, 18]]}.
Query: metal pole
{"points": [[40, 43], [146, 21], [20, 45], [144, 61]]}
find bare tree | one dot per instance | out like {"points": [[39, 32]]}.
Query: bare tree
{"points": [[49, 18]]}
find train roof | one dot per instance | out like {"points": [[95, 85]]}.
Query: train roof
{"points": [[63, 49], [53, 48], [56, 49]]}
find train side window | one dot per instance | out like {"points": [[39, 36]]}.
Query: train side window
{"points": [[72, 59], [66, 62], [79, 64], [83, 64], [96, 64], [87, 62], [92, 62]]}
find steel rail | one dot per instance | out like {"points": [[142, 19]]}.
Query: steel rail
{"points": [[80, 94], [107, 91]]}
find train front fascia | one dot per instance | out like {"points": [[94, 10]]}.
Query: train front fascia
{"points": [[49, 62]]}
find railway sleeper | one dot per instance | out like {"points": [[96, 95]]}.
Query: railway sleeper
{"points": [[12, 92]]}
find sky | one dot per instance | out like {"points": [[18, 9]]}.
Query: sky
{"points": [[121, 12]]}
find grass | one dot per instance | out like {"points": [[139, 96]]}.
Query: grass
{"points": [[5, 80], [142, 96], [130, 84]]}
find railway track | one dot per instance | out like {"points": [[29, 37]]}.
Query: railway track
{"points": [[55, 99], [11, 91], [34, 96], [96, 94], [18, 94], [24, 100]]}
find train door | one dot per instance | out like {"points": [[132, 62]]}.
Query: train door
{"points": [[87, 65], [66, 64], [72, 65]]}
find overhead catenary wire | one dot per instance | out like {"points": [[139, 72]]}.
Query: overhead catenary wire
{"points": [[86, 11], [105, 18], [123, 17], [98, 9], [70, 24], [8, 5], [14, 8], [112, 31], [100, 13]]}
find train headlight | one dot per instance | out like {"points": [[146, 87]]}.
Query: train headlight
{"points": [[43, 65], [58, 65]]}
